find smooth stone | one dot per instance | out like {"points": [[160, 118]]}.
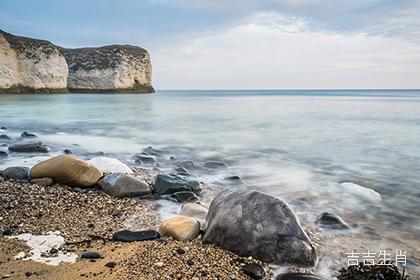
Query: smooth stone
{"points": [[194, 210], [252, 223], [253, 270], [17, 173], [131, 236], [67, 170], [43, 181], [171, 183], [181, 170], [124, 185], [184, 196], [3, 154], [215, 164], [67, 152], [4, 137], [234, 179], [298, 276], [111, 264], [181, 228], [332, 221], [144, 159], [90, 255], [110, 165], [35, 147], [152, 151], [26, 134]]}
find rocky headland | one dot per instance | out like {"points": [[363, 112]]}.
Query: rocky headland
{"points": [[32, 65]]}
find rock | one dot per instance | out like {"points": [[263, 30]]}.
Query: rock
{"points": [[332, 221], [3, 154], [3, 127], [171, 183], [253, 270], [67, 152], [4, 137], [234, 179], [152, 151], [298, 276], [35, 147], [184, 196], [67, 170], [159, 264], [181, 170], [348, 188], [190, 262], [17, 173], [144, 159], [124, 185], [181, 228], [131, 236], [187, 164], [252, 223], [181, 251], [26, 134], [8, 231], [215, 164], [53, 251], [111, 264], [90, 255], [193, 210], [43, 181], [110, 165], [30, 65], [117, 213]]}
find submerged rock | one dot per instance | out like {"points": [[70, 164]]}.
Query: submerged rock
{"points": [[131, 236], [144, 159], [171, 183], [124, 185], [5, 137], [17, 173], [67, 170], [3, 154], [26, 134], [194, 210], [332, 221], [253, 270], [298, 276], [184, 196], [181, 228], [215, 164], [35, 147], [152, 151], [110, 165], [252, 223]]}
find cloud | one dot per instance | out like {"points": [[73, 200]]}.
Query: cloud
{"points": [[271, 50]]}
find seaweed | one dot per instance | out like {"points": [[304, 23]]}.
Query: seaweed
{"points": [[381, 271]]}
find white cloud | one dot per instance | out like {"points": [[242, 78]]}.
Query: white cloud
{"points": [[274, 51]]}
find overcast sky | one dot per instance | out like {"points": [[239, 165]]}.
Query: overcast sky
{"points": [[242, 44]]}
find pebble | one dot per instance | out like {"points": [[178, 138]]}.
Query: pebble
{"points": [[159, 264], [90, 255], [111, 264], [255, 271], [131, 236]]}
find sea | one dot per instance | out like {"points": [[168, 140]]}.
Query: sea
{"points": [[355, 153]]}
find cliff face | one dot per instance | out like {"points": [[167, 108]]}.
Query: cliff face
{"points": [[30, 65], [109, 68]]}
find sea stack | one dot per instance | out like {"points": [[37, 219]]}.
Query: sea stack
{"points": [[31, 65]]}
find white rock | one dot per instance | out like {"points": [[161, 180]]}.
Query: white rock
{"points": [[110, 165], [360, 191], [194, 210]]}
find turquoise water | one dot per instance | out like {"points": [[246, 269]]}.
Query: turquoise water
{"points": [[297, 145]]}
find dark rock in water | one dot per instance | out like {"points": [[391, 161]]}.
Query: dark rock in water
{"points": [[144, 159], [36, 147], [4, 137], [95, 154], [111, 264], [124, 185], [18, 173], [90, 255], [252, 223], [7, 231], [131, 236], [152, 151], [255, 271], [332, 221], [172, 183], [188, 164], [3, 154], [298, 276], [181, 170], [184, 196], [26, 134], [3, 127], [67, 152], [215, 164], [234, 180]]}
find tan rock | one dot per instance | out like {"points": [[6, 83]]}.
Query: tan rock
{"points": [[43, 181], [194, 210], [67, 170], [181, 228]]}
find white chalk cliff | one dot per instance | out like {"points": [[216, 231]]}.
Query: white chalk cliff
{"points": [[31, 65]]}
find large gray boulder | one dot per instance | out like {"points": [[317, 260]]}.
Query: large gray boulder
{"points": [[124, 185], [252, 223]]}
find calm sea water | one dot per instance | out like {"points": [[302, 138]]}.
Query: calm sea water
{"points": [[298, 145]]}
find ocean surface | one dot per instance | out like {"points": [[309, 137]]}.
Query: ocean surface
{"points": [[355, 153]]}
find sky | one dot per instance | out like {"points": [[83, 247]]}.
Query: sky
{"points": [[242, 44]]}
